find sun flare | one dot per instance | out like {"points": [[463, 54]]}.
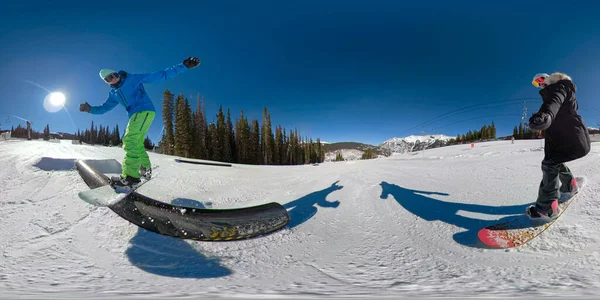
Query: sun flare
{"points": [[54, 102]]}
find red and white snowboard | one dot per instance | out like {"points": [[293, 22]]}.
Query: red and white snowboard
{"points": [[520, 229]]}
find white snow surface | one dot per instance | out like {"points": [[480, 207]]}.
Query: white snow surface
{"points": [[402, 226]]}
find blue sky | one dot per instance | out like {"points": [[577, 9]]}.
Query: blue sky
{"points": [[360, 71]]}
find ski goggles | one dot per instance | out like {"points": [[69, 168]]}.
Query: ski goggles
{"points": [[538, 81], [110, 77]]}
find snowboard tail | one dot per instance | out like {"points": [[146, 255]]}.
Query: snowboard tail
{"points": [[521, 229], [107, 195]]}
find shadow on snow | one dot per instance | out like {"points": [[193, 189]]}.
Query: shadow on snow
{"points": [[430, 209], [302, 209], [172, 257]]}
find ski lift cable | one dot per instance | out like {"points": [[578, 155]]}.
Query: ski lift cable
{"points": [[467, 109]]}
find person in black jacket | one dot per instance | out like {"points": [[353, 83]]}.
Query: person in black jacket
{"points": [[566, 139]]}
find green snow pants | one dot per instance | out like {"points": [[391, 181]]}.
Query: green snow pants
{"points": [[133, 143]]}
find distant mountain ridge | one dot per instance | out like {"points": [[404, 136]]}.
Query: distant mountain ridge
{"points": [[414, 143], [354, 150]]}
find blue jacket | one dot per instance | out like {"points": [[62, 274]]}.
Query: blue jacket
{"points": [[130, 92]]}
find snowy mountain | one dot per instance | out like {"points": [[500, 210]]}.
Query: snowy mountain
{"points": [[403, 227], [347, 154], [414, 143], [349, 150]]}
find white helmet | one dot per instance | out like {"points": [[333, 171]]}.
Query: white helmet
{"points": [[539, 78]]}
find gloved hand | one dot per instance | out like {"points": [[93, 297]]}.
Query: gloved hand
{"points": [[540, 121], [84, 107], [191, 62]]}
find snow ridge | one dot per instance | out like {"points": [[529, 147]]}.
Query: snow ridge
{"points": [[414, 143]]}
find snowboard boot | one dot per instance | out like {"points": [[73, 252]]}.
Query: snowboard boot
{"points": [[570, 189], [123, 184], [146, 172], [536, 215]]}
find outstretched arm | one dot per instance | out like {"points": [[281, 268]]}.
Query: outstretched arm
{"points": [[188, 63], [163, 75], [109, 104]]}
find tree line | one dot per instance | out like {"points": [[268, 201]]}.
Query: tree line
{"points": [[188, 134], [100, 135], [21, 132], [104, 136], [523, 132], [486, 132]]}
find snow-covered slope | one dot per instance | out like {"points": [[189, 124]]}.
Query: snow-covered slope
{"points": [[403, 226], [414, 143]]}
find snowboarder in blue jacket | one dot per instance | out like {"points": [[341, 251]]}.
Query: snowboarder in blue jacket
{"points": [[127, 89]]}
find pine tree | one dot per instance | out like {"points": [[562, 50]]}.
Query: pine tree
{"points": [[148, 143], [214, 142], [255, 142], [369, 154], [239, 147], [242, 140], [92, 140], [194, 136], [314, 154], [484, 132], [285, 146], [47, 132], [182, 127], [224, 151], [167, 113], [209, 138], [278, 151], [493, 131], [291, 150], [521, 131], [201, 129], [232, 152], [106, 137], [267, 139], [116, 136], [100, 135], [320, 151], [183, 141]]}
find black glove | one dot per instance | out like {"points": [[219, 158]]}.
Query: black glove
{"points": [[191, 62], [84, 107], [539, 121]]}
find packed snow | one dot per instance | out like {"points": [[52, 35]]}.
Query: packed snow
{"points": [[401, 226]]}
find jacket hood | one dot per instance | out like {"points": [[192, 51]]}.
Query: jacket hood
{"points": [[557, 77]]}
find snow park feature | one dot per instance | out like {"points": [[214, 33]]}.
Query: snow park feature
{"points": [[181, 221], [403, 226]]}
